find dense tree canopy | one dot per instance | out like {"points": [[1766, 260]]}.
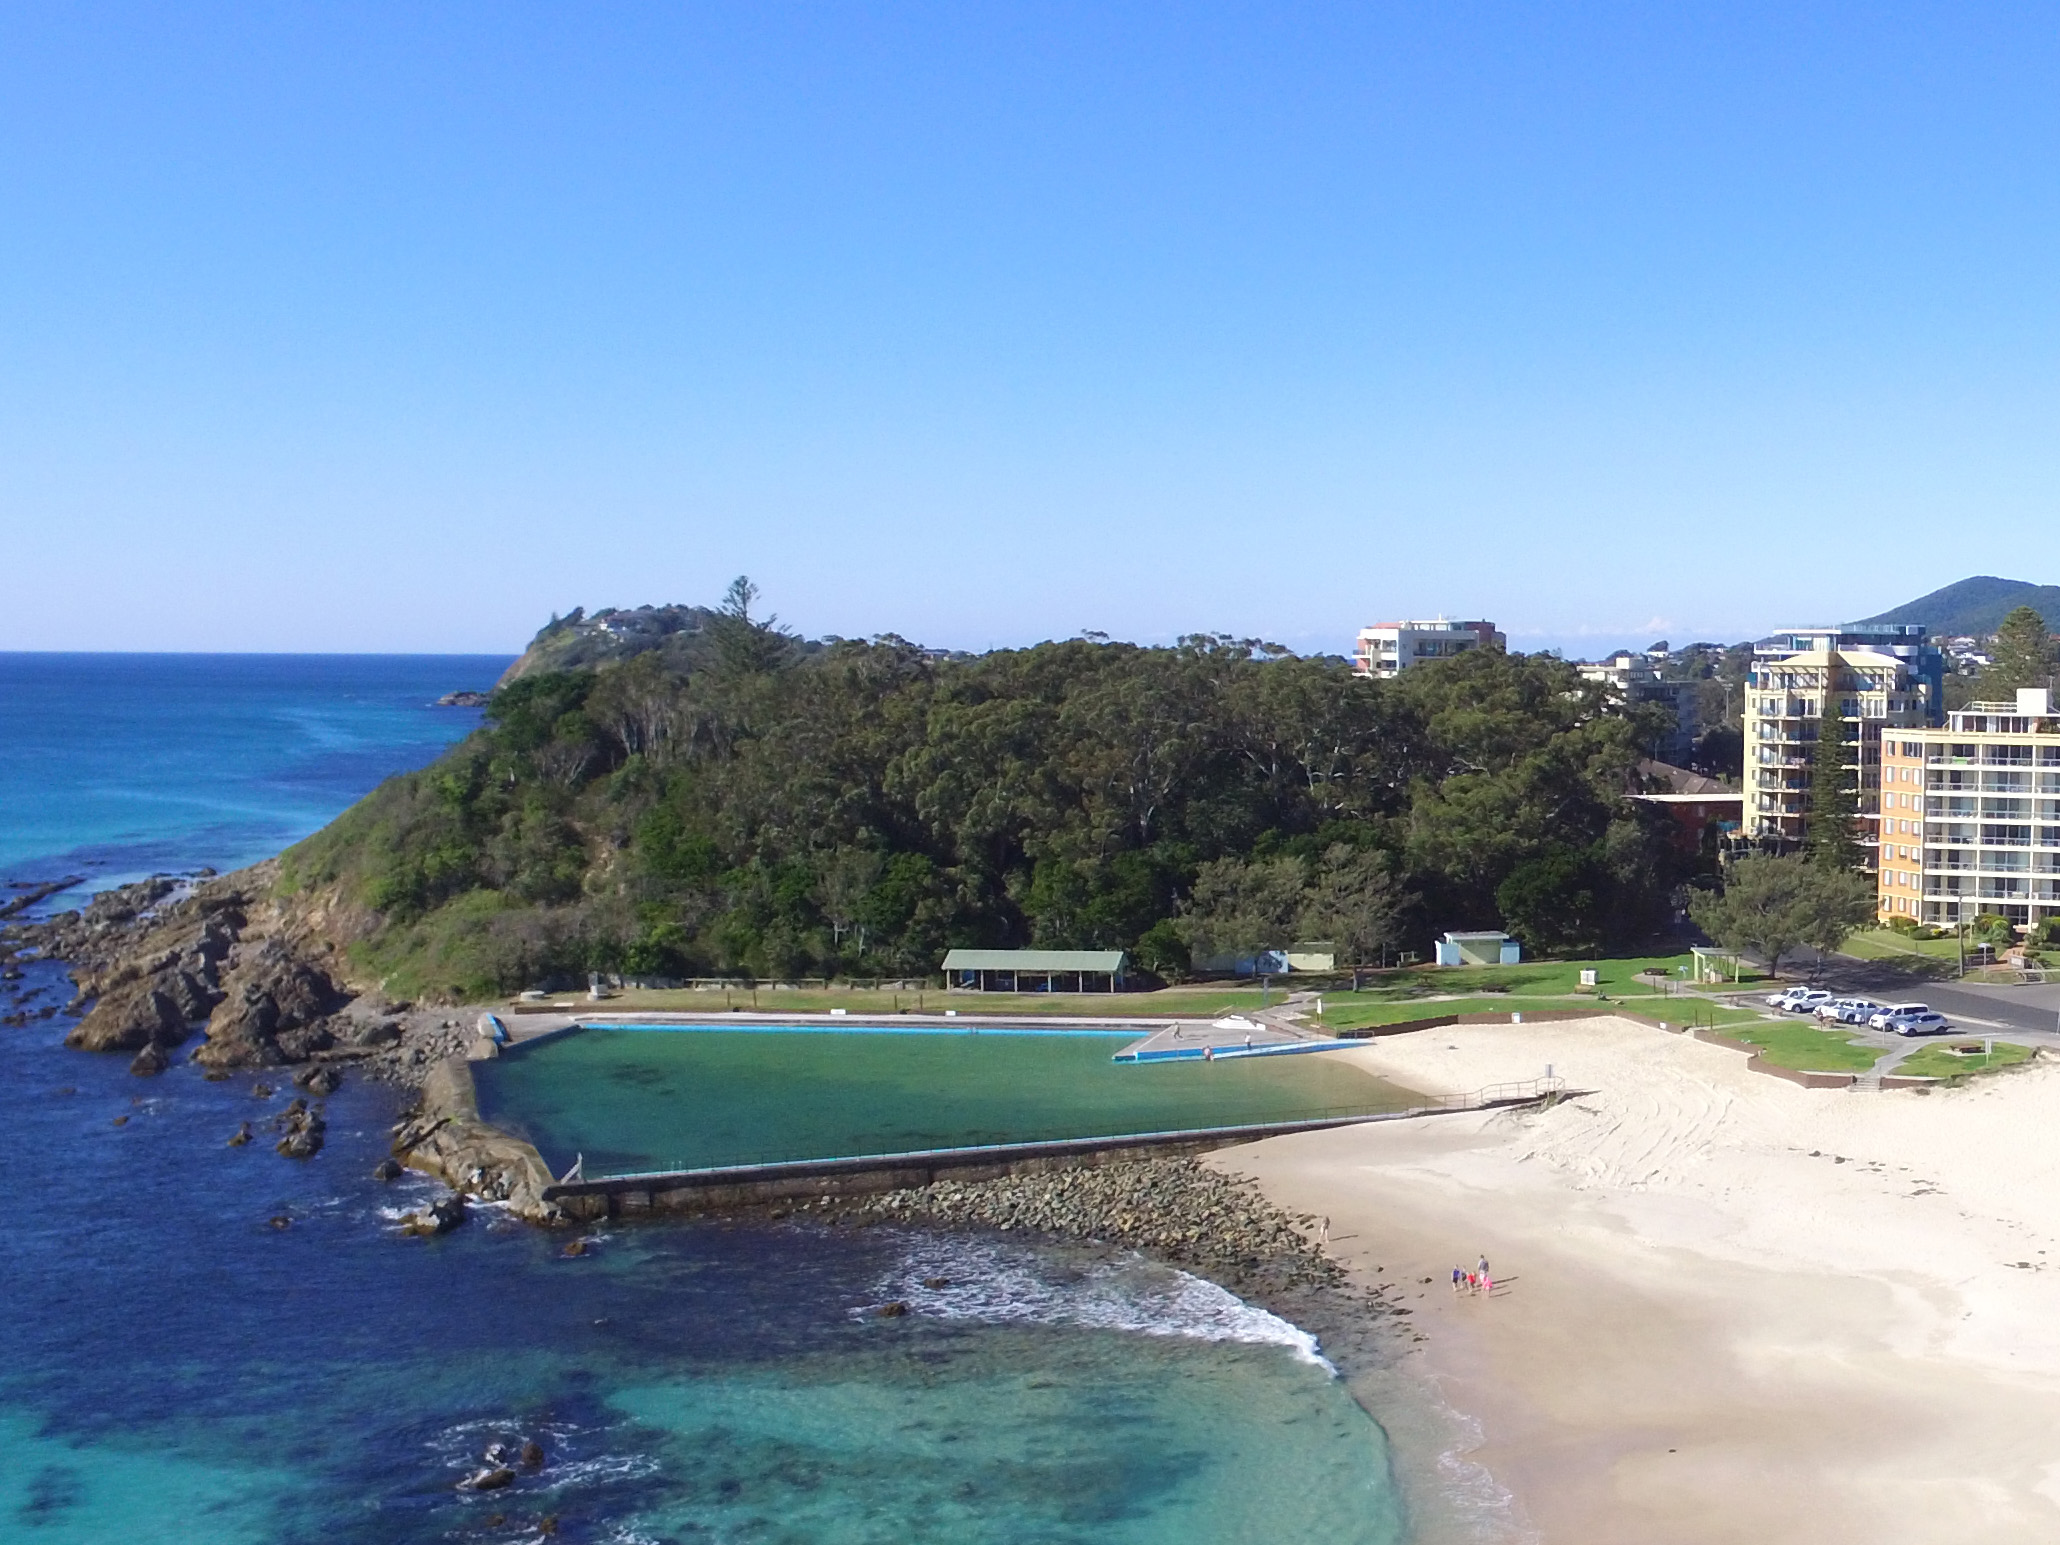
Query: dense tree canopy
{"points": [[861, 807]]}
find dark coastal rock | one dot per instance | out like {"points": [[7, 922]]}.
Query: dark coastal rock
{"points": [[488, 1480], [386, 1169], [128, 1018], [532, 1454], [304, 1129], [465, 699], [268, 994], [892, 1311], [243, 1135], [190, 994], [300, 1044], [320, 1080], [379, 1032], [150, 1061], [437, 1218]]}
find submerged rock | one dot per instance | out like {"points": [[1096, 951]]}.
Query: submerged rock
{"points": [[243, 1135], [386, 1169]]}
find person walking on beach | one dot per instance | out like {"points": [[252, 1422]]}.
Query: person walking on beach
{"points": [[1323, 1235], [1458, 1279]]}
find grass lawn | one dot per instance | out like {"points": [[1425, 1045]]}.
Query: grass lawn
{"points": [[1798, 1044], [1937, 1062], [1203, 1000], [1887, 944], [1542, 978]]}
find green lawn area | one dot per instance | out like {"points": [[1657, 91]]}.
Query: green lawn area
{"points": [[1887, 944], [1542, 978], [1798, 1044], [1938, 1062], [1207, 999]]}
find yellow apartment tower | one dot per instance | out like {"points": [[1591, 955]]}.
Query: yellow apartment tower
{"points": [[1886, 678], [1970, 816]]}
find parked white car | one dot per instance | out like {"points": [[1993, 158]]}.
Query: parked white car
{"points": [[1926, 1023], [1849, 1011], [1881, 1020], [1802, 1000]]}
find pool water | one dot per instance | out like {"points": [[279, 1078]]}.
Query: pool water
{"points": [[633, 1101]]}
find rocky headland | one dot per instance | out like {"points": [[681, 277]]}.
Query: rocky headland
{"points": [[256, 978]]}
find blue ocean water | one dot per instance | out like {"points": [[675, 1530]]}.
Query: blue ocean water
{"points": [[118, 765], [202, 1342]]}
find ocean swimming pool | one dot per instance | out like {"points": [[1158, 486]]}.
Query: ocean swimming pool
{"points": [[643, 1099]]}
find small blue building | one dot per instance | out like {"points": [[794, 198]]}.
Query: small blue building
{"points": [[1479, 949]]}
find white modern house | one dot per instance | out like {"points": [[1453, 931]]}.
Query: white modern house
{"points": [[1389, 648]]}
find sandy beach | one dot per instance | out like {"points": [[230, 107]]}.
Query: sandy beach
{"points": [[1727, 1308]]}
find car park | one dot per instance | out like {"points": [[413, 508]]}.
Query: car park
{"points": [[1879, 1021], [1926, 1023], [1849, 1011]]}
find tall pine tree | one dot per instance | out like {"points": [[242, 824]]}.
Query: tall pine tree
{"points": [[2023, 656], [1832, 839]]}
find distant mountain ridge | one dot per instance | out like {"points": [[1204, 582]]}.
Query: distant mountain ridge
{"points": [[1976, 607]]}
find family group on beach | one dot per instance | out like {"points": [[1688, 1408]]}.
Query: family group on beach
{"points": [[1479, 1280]]}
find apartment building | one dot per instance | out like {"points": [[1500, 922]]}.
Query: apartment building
{"points": [[1970, 815], [1387, 649], [1884, 678]]}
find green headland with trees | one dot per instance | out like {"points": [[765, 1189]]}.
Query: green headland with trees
{"points": [[735, 801]]}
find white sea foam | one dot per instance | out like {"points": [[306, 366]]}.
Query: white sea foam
{"points": [[1477, 1507], [462, 1447], [995, 1284]]}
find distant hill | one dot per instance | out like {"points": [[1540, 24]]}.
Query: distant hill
{"points": [[1976, 606]]}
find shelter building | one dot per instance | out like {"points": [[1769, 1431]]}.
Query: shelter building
{"points": [[1035, 970], [1479, 949]]}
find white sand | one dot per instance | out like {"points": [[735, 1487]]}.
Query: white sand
{"points": [[1705, 1332]]}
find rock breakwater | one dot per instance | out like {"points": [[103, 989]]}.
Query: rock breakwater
{"points": [[1173, 1208]]}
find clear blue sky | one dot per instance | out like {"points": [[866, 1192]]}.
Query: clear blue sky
{"points": [[400, 326]]}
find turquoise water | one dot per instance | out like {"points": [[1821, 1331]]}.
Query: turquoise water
{"points": [[638, 1100], [176, 1368]]}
